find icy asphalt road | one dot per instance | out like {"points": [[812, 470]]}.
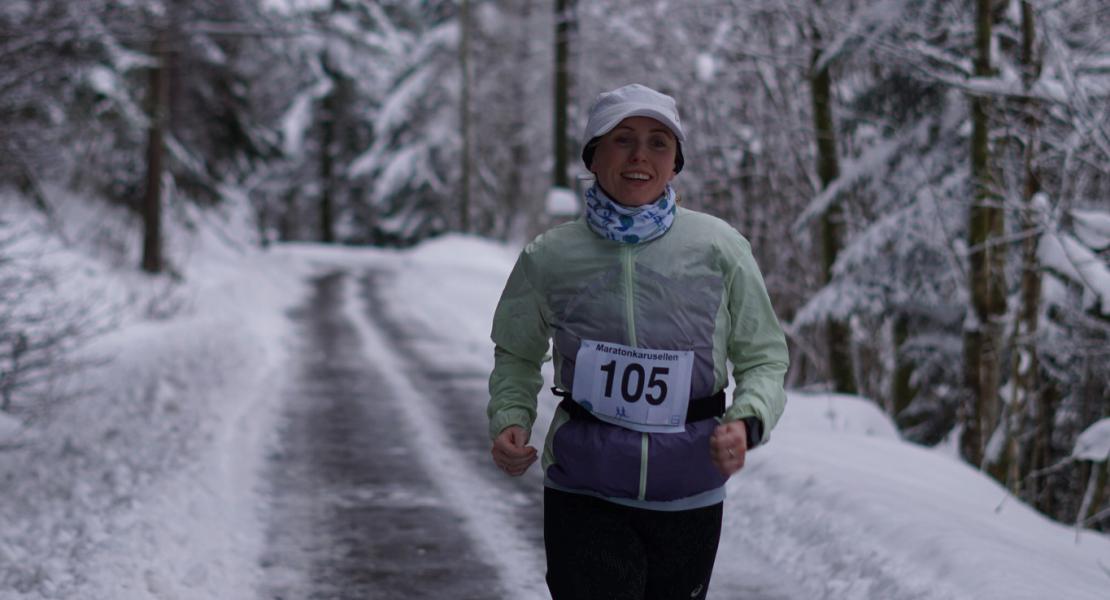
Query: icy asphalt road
{"points": [[377, 493]]}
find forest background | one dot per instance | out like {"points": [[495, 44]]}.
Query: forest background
{"points": [[925, 183]]}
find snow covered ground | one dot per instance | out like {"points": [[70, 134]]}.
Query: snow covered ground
{"points": [[141, 485], [147, 483]]}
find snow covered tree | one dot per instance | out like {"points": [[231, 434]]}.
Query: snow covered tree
{"points": [[511, 89], [47, 48], [1050, 169], [411, 168], [101, 103], [39, 329]]}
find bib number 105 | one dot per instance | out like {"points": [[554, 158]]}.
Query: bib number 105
{"points": [[611, 380], [633, 380]]}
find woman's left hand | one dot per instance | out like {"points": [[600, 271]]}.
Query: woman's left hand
{"points": [[727, 447]]}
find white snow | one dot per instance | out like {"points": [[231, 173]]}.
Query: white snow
{"points": [[1071, 259], [562, 202], [705, 67], [147, 486], [297, 118], [1092, 228], [1094, 443], [10, 427], [142, 484], [292, 6], [864, 516]]}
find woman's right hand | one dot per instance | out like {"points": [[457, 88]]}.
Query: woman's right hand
{"points": [[510, 451]]}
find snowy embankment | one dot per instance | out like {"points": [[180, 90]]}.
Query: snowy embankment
{"points": [[836, 501], [141, 484]]}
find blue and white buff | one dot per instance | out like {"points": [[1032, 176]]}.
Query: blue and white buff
{"points": [[630, 225]]}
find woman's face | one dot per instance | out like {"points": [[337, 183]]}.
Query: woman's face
{"points": [[634, 161]]}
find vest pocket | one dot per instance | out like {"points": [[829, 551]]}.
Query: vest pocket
{"points": [[596, 457], [606, 459], [679, 463]]}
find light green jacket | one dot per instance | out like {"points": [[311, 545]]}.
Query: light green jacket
{"points": [[695, 288]]}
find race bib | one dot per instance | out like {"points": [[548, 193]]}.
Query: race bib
{"points": [[638, 388]]}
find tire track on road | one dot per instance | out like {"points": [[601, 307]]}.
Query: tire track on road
{"points": [[503, 516], [354, 514]]}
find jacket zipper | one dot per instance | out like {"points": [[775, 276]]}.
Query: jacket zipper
{"points": [[629, 303], [630, 319]]}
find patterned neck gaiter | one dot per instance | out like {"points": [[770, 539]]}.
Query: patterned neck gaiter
{"points": [[630, 225]]}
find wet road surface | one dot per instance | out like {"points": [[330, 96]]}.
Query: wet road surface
{"points": [[352, 514], [462, 396]]}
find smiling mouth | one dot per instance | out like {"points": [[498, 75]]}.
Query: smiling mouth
{"points": [[636, 176]]}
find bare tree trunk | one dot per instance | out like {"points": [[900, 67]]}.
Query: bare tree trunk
{"points": [[464, 114], [902, 391], [514, 184], [328, 117], [1028, 379], [832, 222], [287, 229], [152, 261], [1023, 458], [986, 256], [565, 25]]}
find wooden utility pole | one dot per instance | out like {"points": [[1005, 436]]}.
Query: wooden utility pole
{"points": [[158, 108], [464, 114], [329, 115], [565, 24]]}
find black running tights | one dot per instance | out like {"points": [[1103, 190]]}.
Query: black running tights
{"points": [[597, 549]]}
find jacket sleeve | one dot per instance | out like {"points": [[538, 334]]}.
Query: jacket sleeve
{"points": [[521, 335], [756, 347]]}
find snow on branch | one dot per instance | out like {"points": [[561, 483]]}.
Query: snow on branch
{"points": [[853, 171], [838, 300], [298, 117], [1094, 443], [1072, 260], [1092, 228], [404, 166], [866, 25]]}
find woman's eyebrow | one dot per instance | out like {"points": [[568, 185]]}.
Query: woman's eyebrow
{"points": [[652, 130]]}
